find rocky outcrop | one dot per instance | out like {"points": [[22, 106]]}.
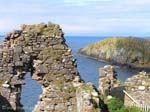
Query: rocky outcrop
{"points": [[41, 50], [129, 51]]}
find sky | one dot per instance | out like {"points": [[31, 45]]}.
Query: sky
{"points": [[80, 17]]}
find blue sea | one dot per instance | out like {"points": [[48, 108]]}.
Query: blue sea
{"points": [[88, 68]]}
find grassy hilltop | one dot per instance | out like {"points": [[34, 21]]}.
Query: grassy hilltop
{"points": [[129, 51]]}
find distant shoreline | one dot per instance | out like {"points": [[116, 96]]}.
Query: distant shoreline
{"points": [[147, 69]]}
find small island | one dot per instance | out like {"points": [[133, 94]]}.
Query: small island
{"points": [[125, 51]]}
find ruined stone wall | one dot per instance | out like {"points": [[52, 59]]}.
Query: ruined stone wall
{"points": [[108, 80], [109, 84], [138, 87], [41, 50]]}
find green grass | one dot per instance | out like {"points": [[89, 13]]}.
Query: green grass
{"points": [[115, 105]]}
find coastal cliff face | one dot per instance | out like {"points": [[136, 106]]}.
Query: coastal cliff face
{"points": [[41, 50], [129, 51]]}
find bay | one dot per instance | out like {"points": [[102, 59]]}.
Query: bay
{"points": [[88, 67]]}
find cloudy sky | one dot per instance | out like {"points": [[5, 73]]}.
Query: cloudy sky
{"points": [[80, 17]]}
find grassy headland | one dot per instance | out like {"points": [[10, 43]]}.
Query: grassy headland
{"points": [[130, 51]]}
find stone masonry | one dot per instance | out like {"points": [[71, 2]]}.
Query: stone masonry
{"points": [[41, 50], [107, 80], [138, 87], [109, 84]]}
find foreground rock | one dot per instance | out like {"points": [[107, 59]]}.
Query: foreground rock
{"points": [[130, 51], [41, 50]]}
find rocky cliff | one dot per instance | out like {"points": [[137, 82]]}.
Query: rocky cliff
{"points": [[130, 51], [41, 50]]}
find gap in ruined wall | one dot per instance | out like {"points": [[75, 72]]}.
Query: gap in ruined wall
{"points": [[30, 93]]}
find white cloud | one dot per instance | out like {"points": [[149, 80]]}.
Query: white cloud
{"points": [[91, 16], [83, 2]]}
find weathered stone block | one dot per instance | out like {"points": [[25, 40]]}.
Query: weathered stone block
{"points": [[18, 49], [42, 69], [19, 63]]}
